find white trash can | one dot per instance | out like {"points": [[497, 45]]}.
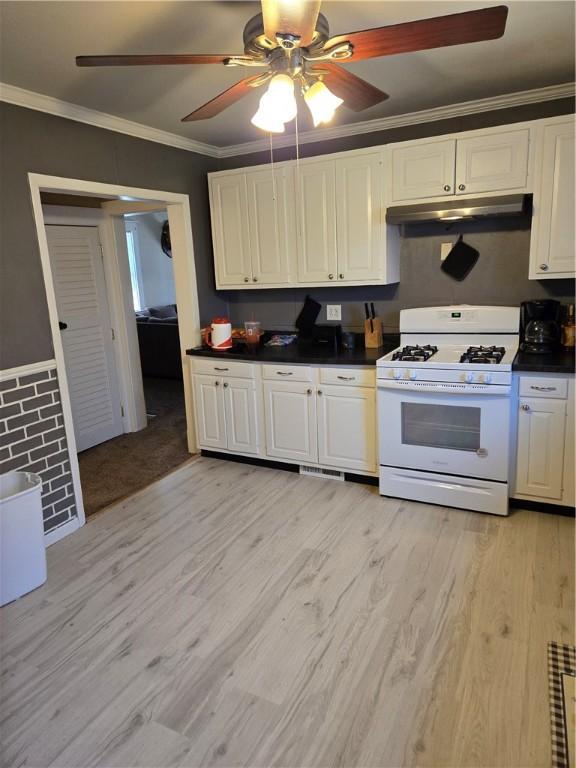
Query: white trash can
{"points": [[22, 549]]}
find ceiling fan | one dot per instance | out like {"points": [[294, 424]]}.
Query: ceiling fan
{"points": [[290, 41]]}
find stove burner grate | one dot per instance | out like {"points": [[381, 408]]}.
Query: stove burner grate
{"points": [[484, 355], [416, 354]]}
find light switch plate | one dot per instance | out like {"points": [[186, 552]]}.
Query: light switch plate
{"points": [[333, 312], [445, 249]]}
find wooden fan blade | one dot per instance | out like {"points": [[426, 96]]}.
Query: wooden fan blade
{"points": [[223, 100], [291, 17], [146, 59], [358, 94], [458, 28]]}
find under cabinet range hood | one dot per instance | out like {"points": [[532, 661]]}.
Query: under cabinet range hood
{"points": [[460, 210]]}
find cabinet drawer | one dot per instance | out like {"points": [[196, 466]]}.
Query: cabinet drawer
{"points": [[287, 372], [352, 377], [224, 368], [543, 387]]}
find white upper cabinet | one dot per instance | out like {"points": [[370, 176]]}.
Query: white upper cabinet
{"points": [[272, 224], [229, 210], [552, 245], [492, 162], [359, 217], [489, 161], [316, 195], [423, 169]]}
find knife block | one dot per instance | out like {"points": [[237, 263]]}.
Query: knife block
{"points": [[373, 339]]}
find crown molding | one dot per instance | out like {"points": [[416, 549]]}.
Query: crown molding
{"points": [[38, 101], [31, 100], [517, 99]]}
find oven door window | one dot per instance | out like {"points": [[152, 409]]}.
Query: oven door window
{"points": [[456, 427]]}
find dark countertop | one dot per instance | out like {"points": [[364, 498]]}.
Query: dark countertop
{"points": [[556, 362], [300, 353]]}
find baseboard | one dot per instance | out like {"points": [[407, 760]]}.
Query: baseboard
{"points": [[63, 530], [271, 464], [539, 506]]}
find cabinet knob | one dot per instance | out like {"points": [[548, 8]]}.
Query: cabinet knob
{"points": [[225, 384], [319, 391], [525, 407], [308, 391], [341, 276], [246, 279], [461, 187], [447, 187], [254, 279], [544, 267], [330, 276], [216, 383]]}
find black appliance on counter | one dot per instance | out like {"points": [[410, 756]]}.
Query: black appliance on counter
{"points": [[540, 326], [310, 334]]}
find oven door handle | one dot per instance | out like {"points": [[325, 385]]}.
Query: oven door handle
{"points": [[447, 388]]}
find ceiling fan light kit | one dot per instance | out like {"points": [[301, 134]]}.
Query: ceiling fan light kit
{"points": [[290, 40]]}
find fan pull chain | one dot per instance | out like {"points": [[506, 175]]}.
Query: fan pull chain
{"points": [[272, 168]]}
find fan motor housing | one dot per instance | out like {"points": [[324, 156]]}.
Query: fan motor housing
{"points": [[258, 45]]}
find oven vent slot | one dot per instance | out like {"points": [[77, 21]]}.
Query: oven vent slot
{"points": [[327, 474]]}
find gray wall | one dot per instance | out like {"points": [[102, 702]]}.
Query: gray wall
{"points": [[41, 143], [499, 277]]}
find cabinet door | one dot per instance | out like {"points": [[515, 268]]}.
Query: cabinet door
{"points": [[347, 427], [272, 224], [541, 425], [425, 169], [554, 202], [317, 259], [210, 418], [241, 411], [229, 211], [359, 217], [290, 415], [492, 162]]}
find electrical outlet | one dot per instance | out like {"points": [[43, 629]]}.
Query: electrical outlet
{"points": [[333, 312], [445, 249]]}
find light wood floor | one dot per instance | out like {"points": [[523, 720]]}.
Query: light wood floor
{"points": [[232, 615]]}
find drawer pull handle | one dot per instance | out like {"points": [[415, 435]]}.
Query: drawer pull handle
{"points": [[347, 378], [285, 373], [542, 389], [219, 369]]}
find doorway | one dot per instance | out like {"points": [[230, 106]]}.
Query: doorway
{"points": [[118, 203]]}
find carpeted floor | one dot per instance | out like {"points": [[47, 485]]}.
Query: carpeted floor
{"points": [[119, 467]]}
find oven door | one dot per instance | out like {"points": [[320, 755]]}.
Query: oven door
{"points": [[457, 429]]}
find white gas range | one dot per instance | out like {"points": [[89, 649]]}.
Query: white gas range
{"points": [[444, 407]]}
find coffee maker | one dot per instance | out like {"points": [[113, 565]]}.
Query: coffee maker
{"points": [[540, 326]]}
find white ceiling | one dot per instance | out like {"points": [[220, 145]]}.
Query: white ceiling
{"points": [[39, 40]]}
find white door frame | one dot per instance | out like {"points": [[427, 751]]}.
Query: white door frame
{"points": [[178, 209]]}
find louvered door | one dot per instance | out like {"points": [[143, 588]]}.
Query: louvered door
{"points": [[80, 288]]}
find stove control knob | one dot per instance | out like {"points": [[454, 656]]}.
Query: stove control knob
{"points": [[397, 373], [487, 378], [469, 377], [412, 375]]}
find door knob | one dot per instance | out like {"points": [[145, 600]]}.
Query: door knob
{"points": [[544, 267], [447, 187], [461, 187], [62, 326]]}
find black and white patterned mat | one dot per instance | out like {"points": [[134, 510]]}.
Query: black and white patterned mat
{"points": [[561, 686]]}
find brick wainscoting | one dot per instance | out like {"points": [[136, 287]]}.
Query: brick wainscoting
{"points": [[32, 438]]}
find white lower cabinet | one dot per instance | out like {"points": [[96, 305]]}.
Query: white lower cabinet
{"points": [[545, 441], [290, 417], [227, 414], [347, 427]]}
